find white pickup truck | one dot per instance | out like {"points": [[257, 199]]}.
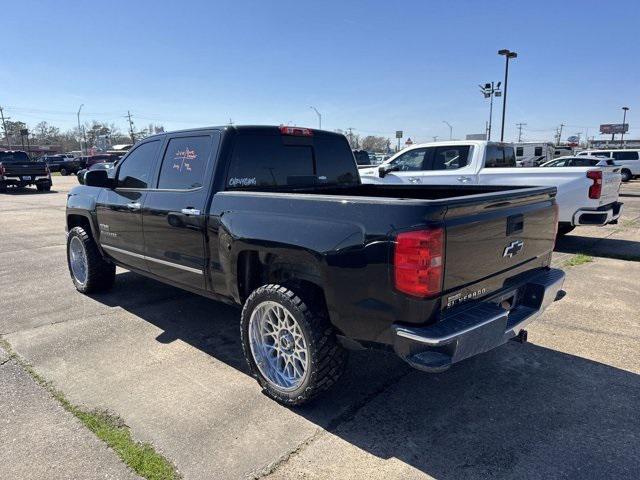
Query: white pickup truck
{"points": [[586, 195]]}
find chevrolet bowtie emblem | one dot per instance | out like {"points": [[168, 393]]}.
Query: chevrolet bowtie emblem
{"points": [[513, 248]]}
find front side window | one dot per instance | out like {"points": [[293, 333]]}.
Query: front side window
{"points": [[625, 155], [411, 161], [136, 170], [450, 158], [184, 163], [601, 154]]}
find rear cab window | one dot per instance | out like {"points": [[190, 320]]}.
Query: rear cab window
{"points": [[265, 159], [499, 156], [13, 157]]}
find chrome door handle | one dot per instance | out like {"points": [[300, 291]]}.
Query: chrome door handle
{"points": [[190, 211], [414, 180], [464, 179], [133, 206]]}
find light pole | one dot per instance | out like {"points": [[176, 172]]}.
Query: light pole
{"points": [[508, 54], [80, 130], [490, 90], [624, 119], [319, 117], [450, 129]]}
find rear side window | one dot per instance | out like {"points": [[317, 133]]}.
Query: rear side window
{"points": [[184, 163], [498, 156], [625, 155], [450, 158], [602, 154], [136, 169], [263, 160]]}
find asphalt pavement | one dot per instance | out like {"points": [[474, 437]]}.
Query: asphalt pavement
{"points": [[170, 364]]}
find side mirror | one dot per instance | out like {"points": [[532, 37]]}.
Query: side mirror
{"points": [[383, 170], [98, 178]]}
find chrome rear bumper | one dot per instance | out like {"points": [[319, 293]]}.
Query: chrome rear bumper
{"points": [[477, 329]]}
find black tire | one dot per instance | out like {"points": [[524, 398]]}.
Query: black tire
{"points": [[565, 229], [100, 273], [64, 172], [3, 188], [326, 357], [43, 188], [626, 175]]}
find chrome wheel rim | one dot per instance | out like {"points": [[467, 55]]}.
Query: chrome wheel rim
{"points": [[278, 346], [78, 260]]}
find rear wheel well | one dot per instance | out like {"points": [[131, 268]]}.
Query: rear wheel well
{"points": [[255, 270]]}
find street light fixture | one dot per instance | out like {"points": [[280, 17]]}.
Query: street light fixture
{"points": [[80, 130], [624, 120], [490, 90], [319, 117], [450, 129], [507, 54]]}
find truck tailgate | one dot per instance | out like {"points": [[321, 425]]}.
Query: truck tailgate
{"points": [[611, 180], [489, 237]]}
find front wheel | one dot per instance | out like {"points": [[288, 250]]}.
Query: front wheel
{"points": [[291, 349], [89, 271], [64, 172]]}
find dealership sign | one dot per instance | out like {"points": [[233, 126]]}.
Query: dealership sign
{"points": [[614, 128]]}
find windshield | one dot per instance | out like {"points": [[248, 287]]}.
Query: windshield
{"points": [[13, 157]]}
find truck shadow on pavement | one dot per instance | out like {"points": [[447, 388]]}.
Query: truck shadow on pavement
{"points": [[599, 247], [518, 411]]}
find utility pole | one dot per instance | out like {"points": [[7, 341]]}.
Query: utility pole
{"points": [[4, 126], [350, 136], [520, 125], [560, 134], [490, 90], [80, 130], [133, 137], [435, 138]]}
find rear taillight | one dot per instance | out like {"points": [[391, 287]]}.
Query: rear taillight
{"points": [[595, 190], [419, 262], [296, 131]]}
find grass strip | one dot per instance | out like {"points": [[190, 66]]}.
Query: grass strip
{"points": [[140, 457], [579, 259]]}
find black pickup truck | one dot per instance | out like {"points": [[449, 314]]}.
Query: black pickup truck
{"points": [[275, 219], [16, 169]]}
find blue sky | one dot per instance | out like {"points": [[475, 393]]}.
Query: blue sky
{"points": [[375, 66]]}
